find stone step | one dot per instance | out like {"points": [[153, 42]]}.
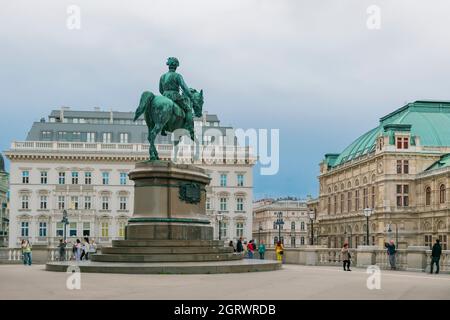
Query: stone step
{"points": [[191, 257], [234, 266], [165, 250], [168, 243]]}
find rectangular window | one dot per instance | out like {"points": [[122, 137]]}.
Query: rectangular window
{"points": [[124, 138], [43, 204], [239, 229], [74, 203], [105, 203], [121, 229], [373, 197], [76, 136], [365, 198], [223, 229], [223, 204], [25, 204], [443, 241], [399, 142], [405, 143], [240, 180], [105, 178], [302, 226], [335, 204], [349, 201], [240, 204], [208, 203], [86, 229], [44, 177], [24, 229], [123, 203], [59, 229], [399, 166], [74, 177], [406, 166], [106, 137], [356, 200], [73, 229], [61, 202], [105, 229], [47, 135], [223, 180], [87, 203], [61, 178], [123, 178], [88, 178], [62, 136], [42, 229], [25, 177], [402, 195], [342, 203], [329, 205], [90, 137]]}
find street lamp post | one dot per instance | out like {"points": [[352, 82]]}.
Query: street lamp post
{"points": [[312, 216], [219, 219], [396, 232], [65, 222], [279, 222], [367, 212]]}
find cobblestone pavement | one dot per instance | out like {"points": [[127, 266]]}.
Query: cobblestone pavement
{"points": [[292, 282]]}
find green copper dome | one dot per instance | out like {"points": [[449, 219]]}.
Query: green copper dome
{"points": [[429, 120]]}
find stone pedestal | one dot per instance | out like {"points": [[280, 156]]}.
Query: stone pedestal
{"points": [[366, 256], [169, 231], [417, 258]]}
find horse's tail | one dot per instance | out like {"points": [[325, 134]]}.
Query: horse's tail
{"points": [[144, 104]]}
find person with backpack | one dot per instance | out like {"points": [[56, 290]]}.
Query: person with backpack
{"points": [[436, 256], [391, 251]]}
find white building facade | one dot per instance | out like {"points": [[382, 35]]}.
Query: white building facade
{"points": [[88, 178]]}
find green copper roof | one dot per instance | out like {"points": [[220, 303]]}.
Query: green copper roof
{"points": [[444, 161], [429, 120]]}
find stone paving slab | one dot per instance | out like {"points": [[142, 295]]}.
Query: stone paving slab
{"points": [[292, 282]]}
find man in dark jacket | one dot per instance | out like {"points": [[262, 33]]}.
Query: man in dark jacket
{"points": [[391, 251], [436, 255], [239, 247]]}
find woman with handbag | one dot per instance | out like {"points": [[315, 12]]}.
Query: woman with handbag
{"points": [[345, 255]]}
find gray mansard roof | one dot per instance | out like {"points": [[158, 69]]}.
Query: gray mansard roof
{"points": [[72, 125]]}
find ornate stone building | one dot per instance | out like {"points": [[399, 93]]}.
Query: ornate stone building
{"points": [[79, 161], [4, 196], [400, 170], [294, 214]]}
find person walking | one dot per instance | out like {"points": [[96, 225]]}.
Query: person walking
{"points": [[239, 246], [345, 256], [245, 248], [230, 244], [250, 249], [26, 251], [436, 256], [85, 249], [391, 251], [78, 250], [261, 250], [92, 247], [279, 250], [62, 250]]}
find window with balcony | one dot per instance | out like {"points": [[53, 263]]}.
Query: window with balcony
{"points": [[42, 229], [74, 177], [88, 178], [25, 177], [44, 176], [61, 178]]}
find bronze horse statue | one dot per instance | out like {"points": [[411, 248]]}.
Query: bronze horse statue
{"points": [[161, 113]]}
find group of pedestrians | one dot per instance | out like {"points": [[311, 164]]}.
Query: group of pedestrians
{"points": [[80, 250], [248, 249], [391, 252]]}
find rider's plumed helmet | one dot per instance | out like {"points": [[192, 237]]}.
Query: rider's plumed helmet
{"points": [[172, 62]]}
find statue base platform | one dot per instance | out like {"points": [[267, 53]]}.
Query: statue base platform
{"points": [[169, 231]]}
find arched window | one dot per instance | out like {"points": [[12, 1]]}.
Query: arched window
{"points": [[442, 193], [302, 226], [428, 196], [293, 225]]}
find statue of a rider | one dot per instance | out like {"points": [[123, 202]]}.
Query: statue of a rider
{"points": [[170, 84]]}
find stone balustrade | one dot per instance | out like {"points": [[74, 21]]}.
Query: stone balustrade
{"points": [[40, 255]]}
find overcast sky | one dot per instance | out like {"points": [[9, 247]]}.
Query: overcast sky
{"points": [[312, 69]]}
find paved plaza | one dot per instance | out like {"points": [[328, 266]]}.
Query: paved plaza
{"points": [[292, 282]]}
